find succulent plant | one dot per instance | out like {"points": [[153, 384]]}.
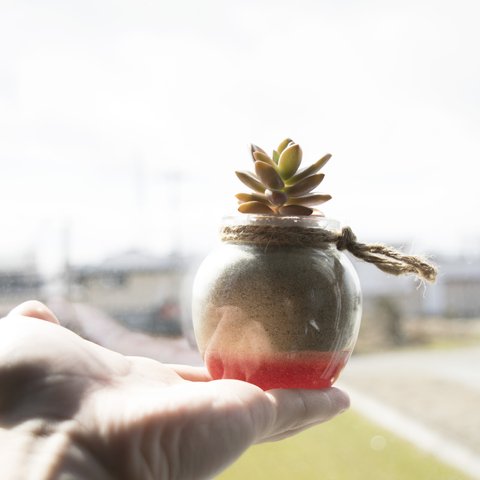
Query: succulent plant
{"points": [[279, 188]]}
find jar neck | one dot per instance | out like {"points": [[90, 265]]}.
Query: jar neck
{"points": [[265, 230], [308, 222]]}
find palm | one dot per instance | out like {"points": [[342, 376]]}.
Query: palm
{"points": [[111, 416]]}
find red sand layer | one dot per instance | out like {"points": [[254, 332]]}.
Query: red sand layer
{"points": [[280, 370]]}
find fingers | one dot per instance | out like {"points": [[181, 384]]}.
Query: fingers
{"points": [[277, 414], [167, 373], [35, 309], [296, 410], [192, 374]]}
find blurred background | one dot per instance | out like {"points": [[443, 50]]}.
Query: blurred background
{"points": [[122, 122]]}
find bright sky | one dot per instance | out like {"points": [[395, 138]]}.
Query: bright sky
{"points": [[123, 121]]}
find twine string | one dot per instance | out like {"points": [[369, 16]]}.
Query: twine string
{"points": [[385, 258]]}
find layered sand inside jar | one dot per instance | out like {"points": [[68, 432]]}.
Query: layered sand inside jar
{"points": [[276, 316]]}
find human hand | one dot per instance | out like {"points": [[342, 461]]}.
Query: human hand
{"points": [[72, 409]]}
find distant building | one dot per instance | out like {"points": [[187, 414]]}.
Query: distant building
{"points": [[377, 286], [456, 293], [152, 293], [137, 288], [19, 281]]}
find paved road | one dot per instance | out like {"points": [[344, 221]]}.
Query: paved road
{"points": [[438, 391]]}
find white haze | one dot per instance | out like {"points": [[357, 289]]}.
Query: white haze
{"points": [[121, 122]]}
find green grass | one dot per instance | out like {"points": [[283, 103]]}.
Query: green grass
{"points": [[347, 448], [450, 344]]}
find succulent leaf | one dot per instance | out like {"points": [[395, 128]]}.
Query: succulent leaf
{"points": [[255, 207], [284, 145], [252, 197], [275, 197], [295, 210], [263, 157], [268, 176], [255, 148], [289, 161], [314, 168], [305, 186], [275, 156], [315, 199], [251, 181]]}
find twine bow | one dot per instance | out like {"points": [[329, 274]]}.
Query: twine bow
{"points": [[385, 258]]}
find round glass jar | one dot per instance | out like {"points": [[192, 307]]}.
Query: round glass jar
{"points": [[271, 311]]}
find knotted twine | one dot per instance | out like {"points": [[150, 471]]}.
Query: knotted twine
{"points": [[386, 258]]}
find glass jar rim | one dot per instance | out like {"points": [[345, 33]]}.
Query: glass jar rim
{"points": [[310, 221]]}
